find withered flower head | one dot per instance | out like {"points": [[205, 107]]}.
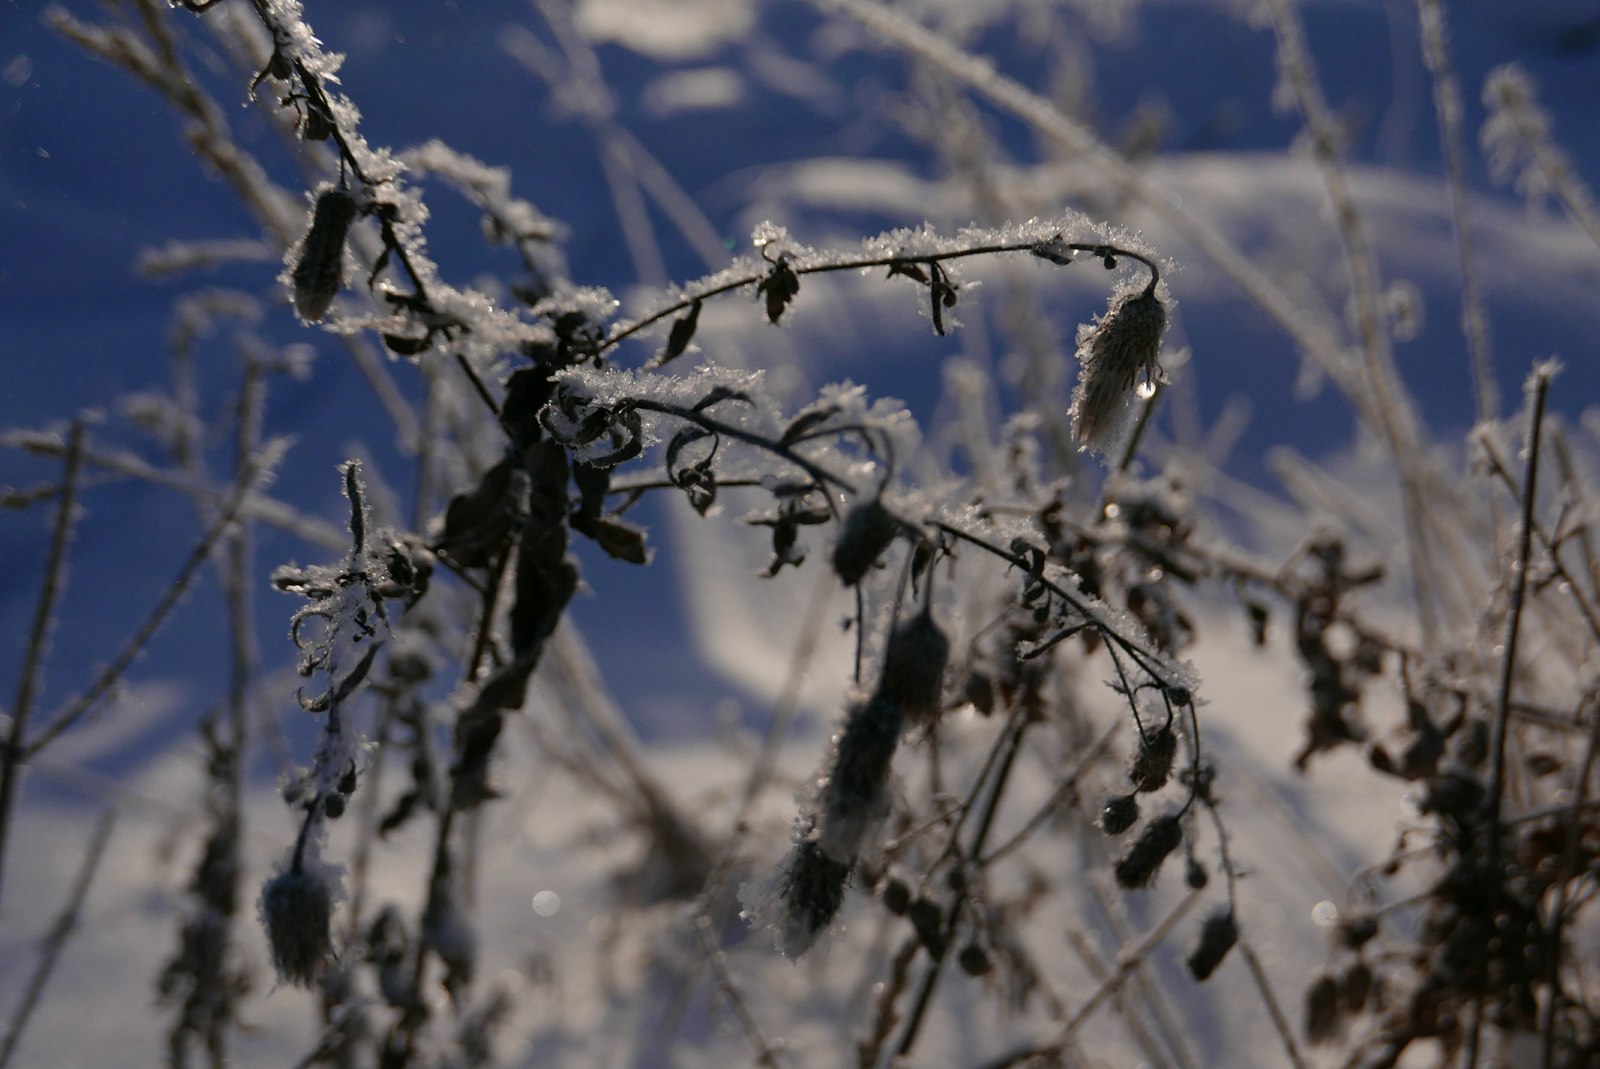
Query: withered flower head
{"points": [[1114, 354], [297, 910]]}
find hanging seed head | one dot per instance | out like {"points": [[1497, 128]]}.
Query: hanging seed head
{"points": [[896, 896], [1139, 865], [810, 892], [1195, 875], [1114, 354], [296, 909], [1118, 813], [974, 960], [1322, 1009], [913, 668], [1152, 763], [855, 795], [1217, 936], [319, 271], [868, 530]]}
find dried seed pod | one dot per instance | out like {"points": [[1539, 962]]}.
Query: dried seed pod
{"points": [[1195, 874], [319, 272], [296, 910], [1356, 985], [913, 668], [896, 896], [1139, 865], [1114, 353], [855, 795], [868, 530], [1152, 763], [928, 920], [974, 960], [1118, 813], [1217, 936], [1322, 1009], [810, 891]]}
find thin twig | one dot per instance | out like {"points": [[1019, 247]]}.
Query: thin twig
{"points": [[38, 636], [108, 677], [1558, 908], [1508, 662]]}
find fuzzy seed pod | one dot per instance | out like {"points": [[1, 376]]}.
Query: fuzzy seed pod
{"points": [[1217, 936], [1118, 813], [1152, 763], [913, 668], [319, 272], [1356, 985], [868, 530], [1322, 1009], [974, 960], [928, 920], [1114, 353], [855, 795], [1138, 866], [810, 892], [297, 908]]}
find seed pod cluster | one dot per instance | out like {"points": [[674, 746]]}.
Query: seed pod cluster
{"points": [[319, 272]]}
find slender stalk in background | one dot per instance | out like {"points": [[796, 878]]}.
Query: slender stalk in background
{"points": [[44, 614]]}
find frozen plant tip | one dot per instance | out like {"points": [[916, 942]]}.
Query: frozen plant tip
{"points": [[1114, 354], [319, 272], [297, 909]]}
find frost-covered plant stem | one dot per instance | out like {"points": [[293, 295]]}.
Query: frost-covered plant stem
{"points": [[1057, 250], [1010, 743], [1447, 111], [44, 618], [1393, 409], [1539, 386]]}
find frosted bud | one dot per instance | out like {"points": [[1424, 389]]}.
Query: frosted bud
{"points": [[319, 271], [296, 909], [1114, 354]]}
